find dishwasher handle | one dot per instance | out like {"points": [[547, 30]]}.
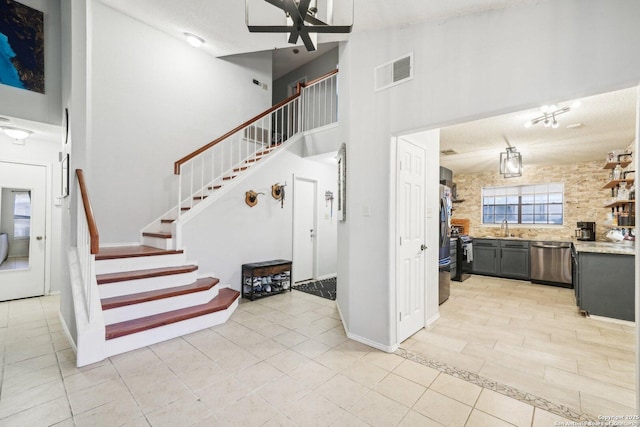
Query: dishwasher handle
{"points": [[551, 246]]}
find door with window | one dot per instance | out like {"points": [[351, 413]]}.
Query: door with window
{"points": [[22, 230]]}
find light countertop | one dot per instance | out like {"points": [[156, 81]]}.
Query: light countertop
{"points": [[623, 248]]}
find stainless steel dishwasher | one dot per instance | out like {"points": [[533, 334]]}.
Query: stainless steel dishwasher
{"points": [[551, 263]]}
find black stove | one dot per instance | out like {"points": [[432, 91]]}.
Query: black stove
{"points": [[464, 255]]}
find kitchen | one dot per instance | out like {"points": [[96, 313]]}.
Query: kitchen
{"points": [[573, 346]]}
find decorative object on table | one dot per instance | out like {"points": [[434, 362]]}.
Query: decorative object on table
{"points": [[300, 18], [277, 192], [323, 288], [21, 46], [251, 198], [328, 198], [342, 183]]}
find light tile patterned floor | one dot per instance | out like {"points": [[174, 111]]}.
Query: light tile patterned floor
{"points": [[280, 361]]}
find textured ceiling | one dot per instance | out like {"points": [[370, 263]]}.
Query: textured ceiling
{"points": [[606, 121]]}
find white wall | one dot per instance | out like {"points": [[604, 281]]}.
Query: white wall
{"points": [[466, 68], [311, 70], [229, 233], [154, 100], [35, 106]]}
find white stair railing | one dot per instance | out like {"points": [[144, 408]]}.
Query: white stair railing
{"points": [[206, 169]]}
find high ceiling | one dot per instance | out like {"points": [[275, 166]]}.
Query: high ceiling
{"points": [[608, 121]]}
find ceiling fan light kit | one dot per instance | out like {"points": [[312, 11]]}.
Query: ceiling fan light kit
{"points": [[301, 21], [550, 113]]}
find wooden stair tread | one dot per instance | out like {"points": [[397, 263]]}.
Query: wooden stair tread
{"points": [[167, 220], [241, 168], [214, 187], [225, 298], [227, 178], [199, 285], [158, 234], [123, 276], [116, 252]]}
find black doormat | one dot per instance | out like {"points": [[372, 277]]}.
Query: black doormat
{"points": [[323, 288]]}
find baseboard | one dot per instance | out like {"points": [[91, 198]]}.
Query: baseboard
{"points": [[433, 319], [326, 276], [65, 329], [612, 320], [365, 341]]}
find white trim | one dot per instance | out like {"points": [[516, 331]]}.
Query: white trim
{"points": [[377, 345], [65, 329], [393, 235], [433, 319], [612, 320], [327, 276]]}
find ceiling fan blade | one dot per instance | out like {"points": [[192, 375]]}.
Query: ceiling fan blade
{"points": [[303, 7], [329, 29], [306, 38], [270, 28], [313, 20]]}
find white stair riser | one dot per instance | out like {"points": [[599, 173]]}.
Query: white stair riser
{"points": [[135, 311], [128, 287], [157, 242], [165, 227], [139, 263], [167, 332]]}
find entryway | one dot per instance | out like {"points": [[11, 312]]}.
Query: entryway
{"points": [[304, 229], [22, 230]]}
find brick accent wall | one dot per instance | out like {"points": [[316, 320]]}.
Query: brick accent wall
{"points": [[584, 198]]}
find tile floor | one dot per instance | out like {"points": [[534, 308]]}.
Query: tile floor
{"points": [[280, 361], [13, 263], [533, 338]]}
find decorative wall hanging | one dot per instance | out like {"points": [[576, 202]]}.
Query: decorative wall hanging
{"points": [[21, 46], [251, 198], [342, 183], [328, 198], [277, 192], [64, 192]]}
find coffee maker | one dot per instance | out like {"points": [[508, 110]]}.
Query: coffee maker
{"points": [[586, 231]]}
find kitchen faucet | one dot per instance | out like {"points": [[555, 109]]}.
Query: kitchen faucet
{"points": [[504, 227]]}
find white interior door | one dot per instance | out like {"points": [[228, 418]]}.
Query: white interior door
{"points": [[22, 219], [304, 229], [410, 255]]}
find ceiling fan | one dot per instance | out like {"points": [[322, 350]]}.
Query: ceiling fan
{"points": [[303, 16]]}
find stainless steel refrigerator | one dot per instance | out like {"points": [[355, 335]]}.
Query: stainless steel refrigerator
{"points": [[444, 252]]}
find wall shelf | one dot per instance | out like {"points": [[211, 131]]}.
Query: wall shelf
{"points": [[616, 182], [618, 203], [612, 165]]}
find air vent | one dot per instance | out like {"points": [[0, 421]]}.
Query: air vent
{"points": [[394, 72], [448, 152]]}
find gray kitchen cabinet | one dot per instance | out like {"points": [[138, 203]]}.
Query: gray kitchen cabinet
{"points": [[485, 257], [501, 257], [606, 285], [514, 259]]}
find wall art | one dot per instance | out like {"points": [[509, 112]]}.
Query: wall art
{"points": [[21, 46]]}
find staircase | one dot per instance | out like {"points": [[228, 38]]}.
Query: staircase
{"points": [[133, 296], [150, 295]]}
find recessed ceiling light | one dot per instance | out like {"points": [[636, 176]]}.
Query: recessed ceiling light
{"points": [[16, 133], [194, 40], [575, 125]]}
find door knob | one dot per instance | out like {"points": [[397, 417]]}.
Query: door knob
{"points": [[39, 238], [423, 247]]}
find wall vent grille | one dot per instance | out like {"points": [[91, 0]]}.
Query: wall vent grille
{"points": [[393, 72]]}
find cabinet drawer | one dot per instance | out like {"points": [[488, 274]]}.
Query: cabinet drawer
{"points": [[516, 244], [485, 242]]}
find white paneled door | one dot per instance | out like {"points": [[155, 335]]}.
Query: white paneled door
{"points": [[410, 234], [22, 220], [304, 229]]}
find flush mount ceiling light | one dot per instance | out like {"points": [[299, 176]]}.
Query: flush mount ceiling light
{"points": [[194, 40], [550, 114], [302, 17], [511, 163], [16, 133]]}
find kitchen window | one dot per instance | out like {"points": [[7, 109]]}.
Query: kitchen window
{"points": [[524, 204]]}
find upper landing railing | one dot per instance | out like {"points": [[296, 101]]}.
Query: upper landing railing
{"points": [[314, 105]]}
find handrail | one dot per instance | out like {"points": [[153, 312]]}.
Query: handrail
{"points": [[91, 221], [178, 164]]}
